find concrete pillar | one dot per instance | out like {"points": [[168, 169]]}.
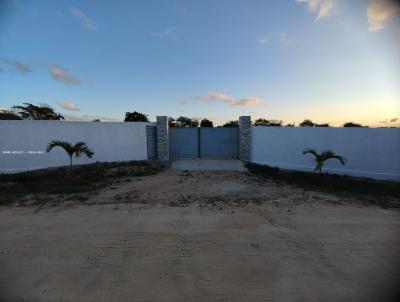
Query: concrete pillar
{"points": [[162, 138], [245, 138]]}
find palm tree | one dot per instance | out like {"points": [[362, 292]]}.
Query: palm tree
{"points": [[80, 148], [31, 112], [320, 158]]}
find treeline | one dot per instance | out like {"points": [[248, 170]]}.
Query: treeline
{"points": [[28, 111], [305, 123], [186, 122]]}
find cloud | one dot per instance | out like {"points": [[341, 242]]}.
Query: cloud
{"points": [[88, 118], [323, 8], [213, 97], [284, 39], [17, 65], [61, 74], [68, 106], [380, 11], [392, 120], [83, 18], [263, 40], [166, 33]]}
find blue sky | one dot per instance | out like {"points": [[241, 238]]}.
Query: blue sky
{"points": [[328, 60]]}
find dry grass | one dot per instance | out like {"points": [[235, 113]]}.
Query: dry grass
{"points": [[46, 184], [333, 183]]}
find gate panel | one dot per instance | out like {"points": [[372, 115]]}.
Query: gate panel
{"points": [[184, 142], [151, 133], [219, 142]]}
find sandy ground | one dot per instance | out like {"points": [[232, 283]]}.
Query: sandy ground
{"points": [[201, 236]]}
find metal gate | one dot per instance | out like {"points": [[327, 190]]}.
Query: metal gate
{"points": [[219, 142], [184, 142], [204, 142], [151, 133]]}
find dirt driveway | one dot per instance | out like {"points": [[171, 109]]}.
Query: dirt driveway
{"points": [[200, 236]]}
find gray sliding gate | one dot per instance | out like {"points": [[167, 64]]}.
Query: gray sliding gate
{"points": [[151, 133], [204, 142]]}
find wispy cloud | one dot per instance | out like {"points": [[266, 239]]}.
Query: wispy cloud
{"points": [[61, 74], [263, 40], [281, 38], [284, 39], [166, 33], [379, 12], [388, 121], [68, 106], [88, 118], [213, 97], [17, 65], [83, 18], [323, 8]]}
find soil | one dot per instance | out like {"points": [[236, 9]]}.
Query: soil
{"points": [[164, 235]]}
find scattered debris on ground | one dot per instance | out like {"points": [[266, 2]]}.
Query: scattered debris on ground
{"points": [[52, 184], [147, 183], [331, 183]]}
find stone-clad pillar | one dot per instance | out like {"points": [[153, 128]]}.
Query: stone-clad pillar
{"points": [[162, 138], [245, 138]]}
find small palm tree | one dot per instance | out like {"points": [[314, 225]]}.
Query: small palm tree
{"points": [[80, 148], [320, 158]]}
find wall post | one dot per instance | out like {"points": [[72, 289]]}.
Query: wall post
{"points": [[162, 138], [245, 138]]}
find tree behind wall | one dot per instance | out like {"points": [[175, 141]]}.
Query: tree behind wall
{"points": [[184, 122], [231, 124], [171, 122], [351, 124], [265, 122], [135, 117], [8, 115], [306, 123], [29, 111], [206, 123], [194, 123]]}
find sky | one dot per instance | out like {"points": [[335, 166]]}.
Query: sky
{"points": [[332, 61]]}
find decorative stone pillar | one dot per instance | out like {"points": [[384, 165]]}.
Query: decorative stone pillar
{"points": [[162, 138], [245, 138]]}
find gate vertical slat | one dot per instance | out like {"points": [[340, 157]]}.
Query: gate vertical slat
{"points": [[219, 142], [151, 134], [184, 142]]}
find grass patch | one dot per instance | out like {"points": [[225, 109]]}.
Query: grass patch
{"points": [[331, 183], [59, 181]]}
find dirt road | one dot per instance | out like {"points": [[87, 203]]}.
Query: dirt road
{"points": [[197, 236]]}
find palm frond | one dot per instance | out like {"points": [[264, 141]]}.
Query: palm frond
{"points": [[328, 154], [320, 158], [311, 151], [81, 148], [62, 144]]}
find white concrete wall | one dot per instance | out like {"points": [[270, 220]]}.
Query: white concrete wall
{"points": [[370, 152], [109, 141]]}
